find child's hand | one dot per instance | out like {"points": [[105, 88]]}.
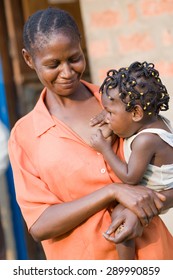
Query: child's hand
{"points": [[98, 142], [99, 119]]}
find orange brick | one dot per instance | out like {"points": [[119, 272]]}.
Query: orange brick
{"points": [[100, 48], [107, 18], [165, 68], [135, 42], [153, 7], [132, 14], [167, 38], [102, 74]]}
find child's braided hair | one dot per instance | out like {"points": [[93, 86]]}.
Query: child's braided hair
{"points": [[138, 84]]}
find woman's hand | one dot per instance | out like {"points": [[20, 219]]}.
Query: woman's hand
{"points": [[132, 227], [141, 200], [99, 119]]}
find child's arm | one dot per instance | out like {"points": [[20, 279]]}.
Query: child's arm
{"points": [[143, 150]]}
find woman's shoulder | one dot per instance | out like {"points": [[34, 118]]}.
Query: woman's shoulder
{"points": [[22, 128], [93, 88], [34, 122], [90, 85]]}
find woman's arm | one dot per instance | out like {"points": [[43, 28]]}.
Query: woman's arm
{"points": [[132, 225], [59, 219]]}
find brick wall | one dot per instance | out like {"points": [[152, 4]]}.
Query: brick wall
{"points": [[120, 32]]}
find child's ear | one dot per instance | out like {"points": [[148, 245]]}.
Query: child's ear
{"points": [[137, 113], [28, 59]]}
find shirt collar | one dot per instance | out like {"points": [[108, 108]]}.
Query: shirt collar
{"points": [[41, 116]]}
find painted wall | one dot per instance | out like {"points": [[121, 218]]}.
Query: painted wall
{"points": [[120, 32]]}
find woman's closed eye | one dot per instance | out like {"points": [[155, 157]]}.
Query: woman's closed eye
{"points": [[53, 64], [75, 59]]}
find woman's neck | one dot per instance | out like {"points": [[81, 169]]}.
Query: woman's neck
{"points": [[54, 100]]}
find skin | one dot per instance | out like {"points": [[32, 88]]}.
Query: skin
{"points": [[126, 249], [59, 65]]}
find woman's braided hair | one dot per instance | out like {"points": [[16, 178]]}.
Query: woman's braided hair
{"points": [[44, 23], [138, 84]]}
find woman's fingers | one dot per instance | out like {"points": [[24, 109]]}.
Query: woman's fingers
{"points": [[159, 201], [161, 196], [144, 202], [151, 207], [94, 121], [109, 237], [99, 119], [125, 226], [114, 225]]}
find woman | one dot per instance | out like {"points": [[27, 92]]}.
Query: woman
{"points": [[63, 186]]}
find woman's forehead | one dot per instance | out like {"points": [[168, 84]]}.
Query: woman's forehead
{"points": [[56, 43]]}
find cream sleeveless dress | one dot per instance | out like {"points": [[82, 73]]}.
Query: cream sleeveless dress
{"points": [[156, 178]]}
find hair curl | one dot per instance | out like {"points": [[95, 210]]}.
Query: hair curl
{"points": [[138, 84]]}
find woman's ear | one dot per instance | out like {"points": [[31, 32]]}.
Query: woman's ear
{"points": [[28, 59], [137, 113]]}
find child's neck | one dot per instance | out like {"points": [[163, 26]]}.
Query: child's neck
{"points": [[149, 122]]}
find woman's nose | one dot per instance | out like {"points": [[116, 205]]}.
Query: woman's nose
{"points": [[65, 71]]}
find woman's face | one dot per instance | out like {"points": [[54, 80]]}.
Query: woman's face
{"points": [[119, 120], [59, 64]]}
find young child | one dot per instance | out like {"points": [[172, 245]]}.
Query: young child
{"points": [[133, 98]]}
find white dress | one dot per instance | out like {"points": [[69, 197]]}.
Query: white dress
{"points": [[156, 178]]}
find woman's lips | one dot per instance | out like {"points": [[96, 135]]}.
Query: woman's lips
{"points": [[67, 84]]}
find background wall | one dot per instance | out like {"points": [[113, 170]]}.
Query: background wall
{"points": [[120, 32]]}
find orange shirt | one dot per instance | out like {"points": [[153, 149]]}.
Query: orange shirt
{"points": [[52, 164]]}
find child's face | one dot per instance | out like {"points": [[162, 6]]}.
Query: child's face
{"points": [[119, 120]]}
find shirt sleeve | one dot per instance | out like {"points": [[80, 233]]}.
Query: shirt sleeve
{"points": [[32, 194]]}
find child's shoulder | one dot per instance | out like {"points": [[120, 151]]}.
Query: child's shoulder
{"points": [[145, 138], [155, 137]]}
